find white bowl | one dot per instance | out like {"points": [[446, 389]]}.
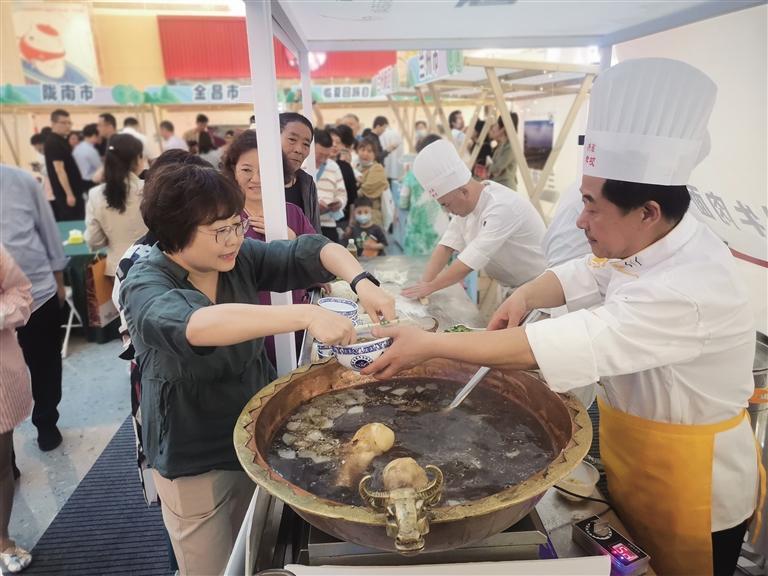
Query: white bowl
{"points": [[360, 355], [582, 481], [341, 306]]}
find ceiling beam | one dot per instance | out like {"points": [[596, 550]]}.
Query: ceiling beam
{"points": [[374, 44], [530, 65], [284, 29]]}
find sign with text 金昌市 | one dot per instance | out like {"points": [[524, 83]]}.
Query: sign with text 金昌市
{"points": [[742, 225], [216, 93]]}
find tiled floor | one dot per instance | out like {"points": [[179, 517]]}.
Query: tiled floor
{"points": [[95, 402]]}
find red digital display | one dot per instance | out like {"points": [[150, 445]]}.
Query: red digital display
{"points": [[623, 553]]}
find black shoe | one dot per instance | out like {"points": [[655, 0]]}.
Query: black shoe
{"points": [[49, 440]]}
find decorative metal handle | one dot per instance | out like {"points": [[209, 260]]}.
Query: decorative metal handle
{"points": [[407, 510]]}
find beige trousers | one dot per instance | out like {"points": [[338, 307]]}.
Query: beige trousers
{"points": [[203, 515]]}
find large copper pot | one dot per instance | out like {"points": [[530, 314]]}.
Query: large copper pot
{"points": [[565, 419]]}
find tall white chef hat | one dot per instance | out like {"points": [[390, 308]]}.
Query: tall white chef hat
{"points": [[439, 169], [648, 122]]}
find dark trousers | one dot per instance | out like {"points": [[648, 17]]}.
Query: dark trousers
{"points": [[332, 233], [726, 547], [40, 340]]}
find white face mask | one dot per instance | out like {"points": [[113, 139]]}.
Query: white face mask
{"points": [[420, 134], [366, 163], [363, 218]]}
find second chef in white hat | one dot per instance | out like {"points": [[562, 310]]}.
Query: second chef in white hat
{"points": [[657, 314], [493, 228]]}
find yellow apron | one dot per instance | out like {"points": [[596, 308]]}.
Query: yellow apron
{"points": [[660, 480]]}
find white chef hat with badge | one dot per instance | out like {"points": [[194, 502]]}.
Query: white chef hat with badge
{"points": [[648, 122], [440, 170]]}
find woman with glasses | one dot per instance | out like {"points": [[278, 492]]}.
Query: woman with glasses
{"points": [[193, 314]]}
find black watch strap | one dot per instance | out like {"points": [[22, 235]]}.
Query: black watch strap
{"points": [[363, 276]]}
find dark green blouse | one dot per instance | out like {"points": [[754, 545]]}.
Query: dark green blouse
{"points": [[191, 396]]}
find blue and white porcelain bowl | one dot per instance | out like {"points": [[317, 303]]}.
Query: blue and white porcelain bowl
{"points": [[360, 355], [341, 306]]}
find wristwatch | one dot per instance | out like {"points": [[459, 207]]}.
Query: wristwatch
{"points": [[363, 276]]}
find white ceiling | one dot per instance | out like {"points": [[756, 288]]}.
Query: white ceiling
{"points": [[413, 24]]}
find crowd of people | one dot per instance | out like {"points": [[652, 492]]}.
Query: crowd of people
{"points": [[133, 195], [655, 312]]}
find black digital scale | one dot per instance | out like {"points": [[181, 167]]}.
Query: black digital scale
{"points": [[599, 537]]}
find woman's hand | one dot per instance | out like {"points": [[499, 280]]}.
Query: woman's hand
{"points": [[410, 347], [257, 223], [377, 302], [330, 328]]}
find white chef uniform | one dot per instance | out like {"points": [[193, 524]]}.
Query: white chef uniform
{"points": [[667, 331], [503, 234]]}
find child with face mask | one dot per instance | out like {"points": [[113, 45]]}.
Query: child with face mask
{"points": [[369, 238]]}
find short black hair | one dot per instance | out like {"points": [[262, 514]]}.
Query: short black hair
{"points": [[130, 121], [673, 200], [59, 113], [426, 141], [452, 117], [515, 120], [201, 118], [323, 138], [346, 135], [167, 125], [37, 139], [229, 133], [373, 143], [90, 130], [252, 119], [205, 143], [180, 197], [362, 201], [422, 122], [380, 121], [290, 117], [109, 119], [175, 156]]}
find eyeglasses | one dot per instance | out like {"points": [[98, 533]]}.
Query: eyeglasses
{"points": [[223, 234]]}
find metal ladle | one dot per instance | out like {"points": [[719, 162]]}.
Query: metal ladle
{"points": [[480, 374]]}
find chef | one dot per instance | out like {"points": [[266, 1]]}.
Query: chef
{"points": [[657, 313], [493, 227]]}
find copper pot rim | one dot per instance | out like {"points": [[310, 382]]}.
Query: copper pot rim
{"points": [[304, 501]]}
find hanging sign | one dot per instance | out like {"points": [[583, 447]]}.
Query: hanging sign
{"points": [[386, 81], [431, 65]]}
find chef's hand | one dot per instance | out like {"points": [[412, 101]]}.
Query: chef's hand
{"points": [[509, 314], [330, 328], [420, 290], [410, 347], [376, 301]]}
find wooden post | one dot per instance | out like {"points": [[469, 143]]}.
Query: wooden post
{"points": [[490, 119], [469, 129], [427, 111], [517, 150], [396, 110], [562, 135], [156, 121], [441, 113], [8, 141]]}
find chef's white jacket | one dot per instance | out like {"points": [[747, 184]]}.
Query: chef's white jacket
{"points": [[670, 335], [503, 234], [564, 240]]}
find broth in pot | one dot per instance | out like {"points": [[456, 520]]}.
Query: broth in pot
{"points": [[484, 446]]}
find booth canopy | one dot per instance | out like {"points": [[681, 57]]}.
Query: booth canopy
{"points": [[328, 25]]}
